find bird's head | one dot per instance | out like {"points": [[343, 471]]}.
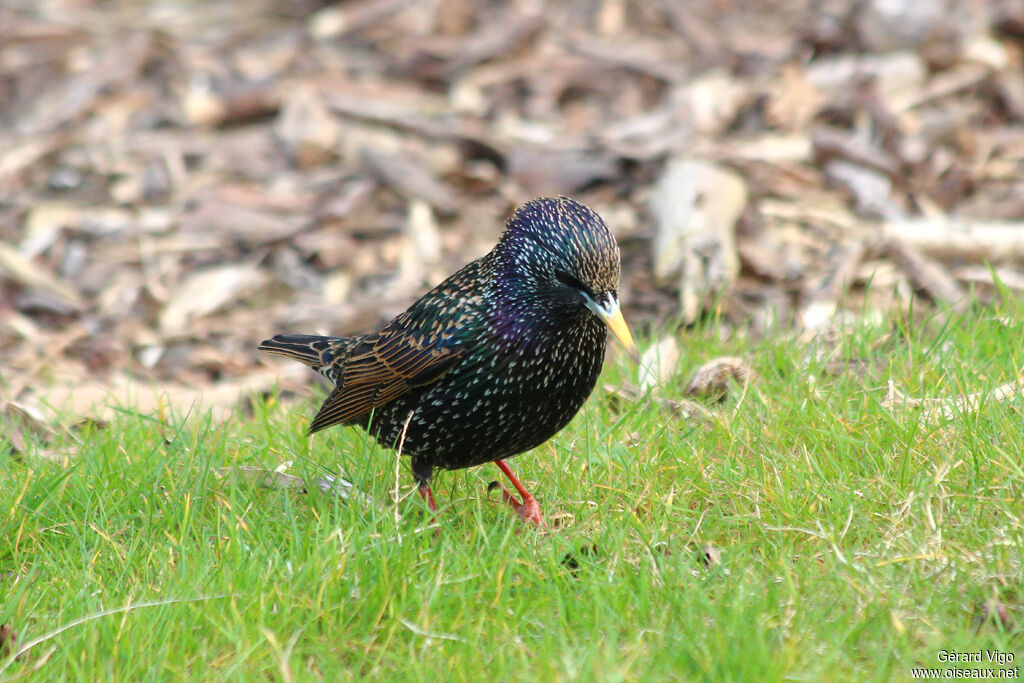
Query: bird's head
{"points": [[558, 255]]}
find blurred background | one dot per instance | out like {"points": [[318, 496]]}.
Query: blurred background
{"points": [[179, 180]]}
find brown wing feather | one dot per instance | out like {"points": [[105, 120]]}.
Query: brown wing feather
{"points": [[381, 369]]}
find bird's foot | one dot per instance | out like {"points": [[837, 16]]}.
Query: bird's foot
{"points": [[528, 510]]}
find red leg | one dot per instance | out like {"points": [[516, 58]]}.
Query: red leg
{"points": [[427, 496], [528, 510]]}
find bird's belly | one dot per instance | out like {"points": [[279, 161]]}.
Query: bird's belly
{"points": [[468, 423]]}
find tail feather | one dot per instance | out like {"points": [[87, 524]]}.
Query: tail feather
{"points": [[309, 349]]}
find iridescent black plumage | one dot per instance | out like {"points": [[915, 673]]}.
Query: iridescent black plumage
{"points": [[494, 360]]}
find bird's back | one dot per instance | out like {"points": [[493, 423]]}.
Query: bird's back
{"points": [[412, 351]]}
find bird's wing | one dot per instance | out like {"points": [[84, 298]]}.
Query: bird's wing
{"points": [[386, 365]]}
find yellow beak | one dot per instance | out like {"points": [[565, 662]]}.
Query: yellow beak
{"points": [[610, 314]]}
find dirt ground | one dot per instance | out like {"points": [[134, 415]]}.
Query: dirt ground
{"points": [[179, 180]]}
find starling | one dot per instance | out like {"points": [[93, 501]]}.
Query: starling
{"points": [[490, 363]]}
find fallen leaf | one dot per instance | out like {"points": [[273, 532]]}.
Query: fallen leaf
{"points": [[658, 364], [206, 291], [307, 130], [716, 377], [31, 274], [695, 206]]}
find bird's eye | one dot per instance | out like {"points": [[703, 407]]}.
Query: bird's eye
{"points": [[567, 279]]}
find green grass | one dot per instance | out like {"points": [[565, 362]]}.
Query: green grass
{"points": [[857, 540]]}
